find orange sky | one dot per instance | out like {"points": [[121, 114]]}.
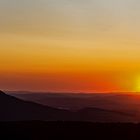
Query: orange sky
{"points": [[61, 45]]}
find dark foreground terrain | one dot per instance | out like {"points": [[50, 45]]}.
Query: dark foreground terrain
{"points": [[18, 121], [69, 130], [14, 109]]}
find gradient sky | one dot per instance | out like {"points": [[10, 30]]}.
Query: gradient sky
{"points": [[70, 45]]}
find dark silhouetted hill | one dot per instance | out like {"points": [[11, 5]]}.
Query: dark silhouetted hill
{"points": [[128, 102], [14, 109], [102, 115]]}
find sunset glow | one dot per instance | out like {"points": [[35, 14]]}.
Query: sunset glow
{"points": [[63, 45], [137, 84]]}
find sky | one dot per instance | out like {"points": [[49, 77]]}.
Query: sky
{"points": [[70, 45]]}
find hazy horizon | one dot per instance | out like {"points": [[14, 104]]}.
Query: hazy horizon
{"points": [[71, 92]]}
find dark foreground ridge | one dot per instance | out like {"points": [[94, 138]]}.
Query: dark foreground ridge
{"points": [[18, 121], [14, 109], [70, 130]]}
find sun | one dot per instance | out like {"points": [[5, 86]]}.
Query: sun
{"points": [[137, 84]]}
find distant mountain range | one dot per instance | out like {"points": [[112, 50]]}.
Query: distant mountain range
{"points": [[14, 109], [124, 102]]}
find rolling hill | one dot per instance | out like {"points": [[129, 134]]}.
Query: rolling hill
{"points": [[14, 109]]}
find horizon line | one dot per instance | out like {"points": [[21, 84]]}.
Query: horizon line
{"points": [[72, 92]]}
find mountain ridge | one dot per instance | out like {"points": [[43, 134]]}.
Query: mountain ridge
{"points": [[14, 109]]}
